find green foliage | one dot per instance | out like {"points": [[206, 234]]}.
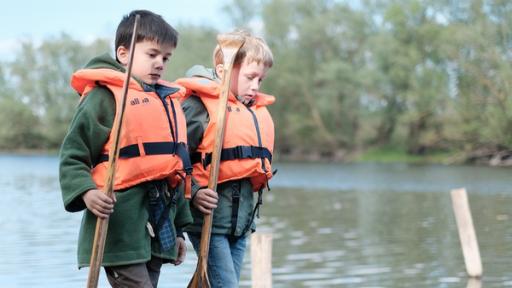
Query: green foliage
{"points": [[19, 126], [40, 78], [481, 53], [317, 75], [195, 46], [387, 154], [241, 12]]}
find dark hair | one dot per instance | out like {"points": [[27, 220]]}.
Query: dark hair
{"points": [[151, 27]]}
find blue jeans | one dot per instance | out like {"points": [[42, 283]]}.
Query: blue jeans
{"points": [[225, 258]]}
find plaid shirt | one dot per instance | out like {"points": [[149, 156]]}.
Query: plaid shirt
{"points": [[160, 202]]}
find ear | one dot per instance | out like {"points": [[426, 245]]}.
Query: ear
{"points": [[219, 70], [122, 54]]}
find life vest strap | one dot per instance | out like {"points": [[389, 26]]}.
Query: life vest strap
{"points": [[196, 157], [255, 212], [238, 152], [236, 186], [154, 148]]}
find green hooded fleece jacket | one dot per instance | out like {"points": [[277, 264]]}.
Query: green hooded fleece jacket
{"points": [[128, 240]]}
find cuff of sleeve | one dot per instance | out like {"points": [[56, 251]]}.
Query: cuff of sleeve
{"points": [[75, 203], [179, 233], [195, 188]]}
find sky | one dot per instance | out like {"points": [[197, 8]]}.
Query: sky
{"points": [[89, 19]]}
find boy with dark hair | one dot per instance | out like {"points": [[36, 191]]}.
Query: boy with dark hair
{"points": [[150, 211], [245, 164]]}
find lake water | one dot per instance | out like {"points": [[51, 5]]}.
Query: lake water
{"points": [[333, 225]]}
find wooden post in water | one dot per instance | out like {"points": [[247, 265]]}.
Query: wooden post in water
{"points": [[261, 260], [467, 233], [474, 283]]}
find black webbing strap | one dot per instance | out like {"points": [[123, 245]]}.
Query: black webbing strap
{"points": [[238, 152], [182, 152], [258, 133], [255, 212], [195, 157], [236, 203], [154, 148]]}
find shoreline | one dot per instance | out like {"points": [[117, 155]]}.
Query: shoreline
{"points": [[476, 158]]}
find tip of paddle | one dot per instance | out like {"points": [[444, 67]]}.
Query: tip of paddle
{"points": [[230, 40], [199, 280]]}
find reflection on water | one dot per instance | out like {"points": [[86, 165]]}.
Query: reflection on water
{"points": [[358, 225], [382, 239], [474, 283]]}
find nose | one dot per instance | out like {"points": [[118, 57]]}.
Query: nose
{"points": [[159, 63], [255, 84]]}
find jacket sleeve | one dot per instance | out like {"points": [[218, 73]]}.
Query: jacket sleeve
{"points": [[197, 120], [88, 132], [183, 216]]}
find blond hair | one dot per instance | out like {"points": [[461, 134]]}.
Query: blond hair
{"points": [[255, 49]]}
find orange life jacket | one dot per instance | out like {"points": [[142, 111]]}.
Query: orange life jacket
{"points": [[153, 135], [248, 137]]}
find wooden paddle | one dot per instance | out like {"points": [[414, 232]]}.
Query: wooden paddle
{"points": [[100, 235], [229, 44]]}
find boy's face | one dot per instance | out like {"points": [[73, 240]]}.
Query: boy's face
{"points": [[246, 79], [148, 61]]}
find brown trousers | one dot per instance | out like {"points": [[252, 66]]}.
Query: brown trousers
{"points": [[141, 275]]}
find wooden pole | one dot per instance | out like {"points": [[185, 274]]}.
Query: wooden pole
{"points": [[467, 233], [261, 260], [229, 44], [100, 234], [474, 283]]}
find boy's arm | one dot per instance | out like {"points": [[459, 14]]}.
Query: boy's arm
{"points": [[197, 120], [88, 132]]}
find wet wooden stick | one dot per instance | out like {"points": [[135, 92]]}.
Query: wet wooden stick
{"points": [[261, 260], [100, 234], [467, 233]]}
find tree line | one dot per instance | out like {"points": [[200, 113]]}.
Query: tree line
{"points": [[419, 77]]}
